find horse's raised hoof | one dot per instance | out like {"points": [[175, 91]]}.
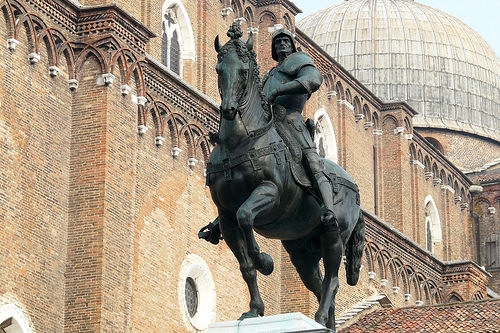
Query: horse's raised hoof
{"points": [[264, 264]]}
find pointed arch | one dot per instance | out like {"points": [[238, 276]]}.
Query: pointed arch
{"points": [[433, 228], [13, 319], [86, 53]]}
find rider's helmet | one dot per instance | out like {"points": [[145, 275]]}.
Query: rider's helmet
{"points": [[278, 33]]}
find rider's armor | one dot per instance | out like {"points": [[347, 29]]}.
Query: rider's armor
{"points": [[299, 67]]}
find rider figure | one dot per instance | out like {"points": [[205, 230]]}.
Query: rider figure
{"points": [[290, 84]]}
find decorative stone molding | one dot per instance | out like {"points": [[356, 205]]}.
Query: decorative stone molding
{"points": [[464, 205], [108, 79], [176, 151], [399, 130], [331, 94], [33, 57], [159, 140], [275, 27], [377, 132], [492, 210], [73, 84], [226, 11], [372, 275], [346, 103], [54, 71], [125, 89], [436, 181], [419, 303], [457, 199], [407, 297], [192, 162], [141, 129], [395, 290], [240, 20], [140, 100], [448, 188], [418, 163], [359, 116], [475, 189], [383, 282], [12, 43], [428, 175], [368, 124], [409, 136], [253, 30]]}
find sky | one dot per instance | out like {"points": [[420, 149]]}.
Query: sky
{"points": [[481, 15]]}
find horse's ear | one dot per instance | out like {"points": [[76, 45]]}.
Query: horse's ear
{"points": [[217, 44], [250, 42]]}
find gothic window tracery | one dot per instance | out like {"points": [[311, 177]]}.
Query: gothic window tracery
{"points": [[177, 36], [325, 136], [433, 232]]}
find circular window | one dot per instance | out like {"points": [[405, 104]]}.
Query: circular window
{"points": [[196, 290], [191, 296]]}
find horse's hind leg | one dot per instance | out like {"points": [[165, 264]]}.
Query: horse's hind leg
{"points": [[331, 248], [236, 241], [306, 262], [263, 198]]}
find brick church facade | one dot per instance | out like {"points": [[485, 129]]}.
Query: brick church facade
{"points": [[105, 109]]}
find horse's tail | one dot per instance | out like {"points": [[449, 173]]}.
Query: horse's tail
{"points": [[354, 250]]}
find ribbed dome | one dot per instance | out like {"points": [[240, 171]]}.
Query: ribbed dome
{"points": [[403, 50]]}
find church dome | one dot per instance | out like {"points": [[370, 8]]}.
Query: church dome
{"points": [[403, 50]]}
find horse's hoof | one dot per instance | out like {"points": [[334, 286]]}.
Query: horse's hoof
{"points": [[266, 264], [249, 314], [321, 318]]}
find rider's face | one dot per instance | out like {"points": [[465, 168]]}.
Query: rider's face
{"points": [[283, 45]]}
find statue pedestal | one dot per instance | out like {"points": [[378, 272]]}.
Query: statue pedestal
{"points": [[284, 323]]}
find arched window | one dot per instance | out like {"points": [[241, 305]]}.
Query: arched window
{"points": [[432, 224], [325, 136], [493, 251], [177, 36], [12, 320]]}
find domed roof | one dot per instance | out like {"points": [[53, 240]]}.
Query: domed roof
{"points": [[403, 50]]}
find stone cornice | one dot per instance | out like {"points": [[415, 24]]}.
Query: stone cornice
{"points": [[86, 20], [194, 104], [441, 158], [399, 245], [288, 5]]}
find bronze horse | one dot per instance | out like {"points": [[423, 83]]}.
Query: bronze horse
{"points": [[253, 188]]}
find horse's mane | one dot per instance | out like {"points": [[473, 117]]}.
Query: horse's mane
{"points": [[240, 47]]}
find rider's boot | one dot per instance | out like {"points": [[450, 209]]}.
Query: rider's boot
{"points": [[325, 188]]}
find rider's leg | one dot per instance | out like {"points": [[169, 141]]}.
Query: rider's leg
{"points": [[324, 185]]}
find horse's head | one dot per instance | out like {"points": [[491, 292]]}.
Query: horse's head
{"points": [[235, 63]]}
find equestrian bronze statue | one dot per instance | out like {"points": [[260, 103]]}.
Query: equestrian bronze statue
{"points": [[265, 176]]}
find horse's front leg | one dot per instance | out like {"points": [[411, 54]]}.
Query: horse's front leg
{"points": [[235, 239], [263, 198]]}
